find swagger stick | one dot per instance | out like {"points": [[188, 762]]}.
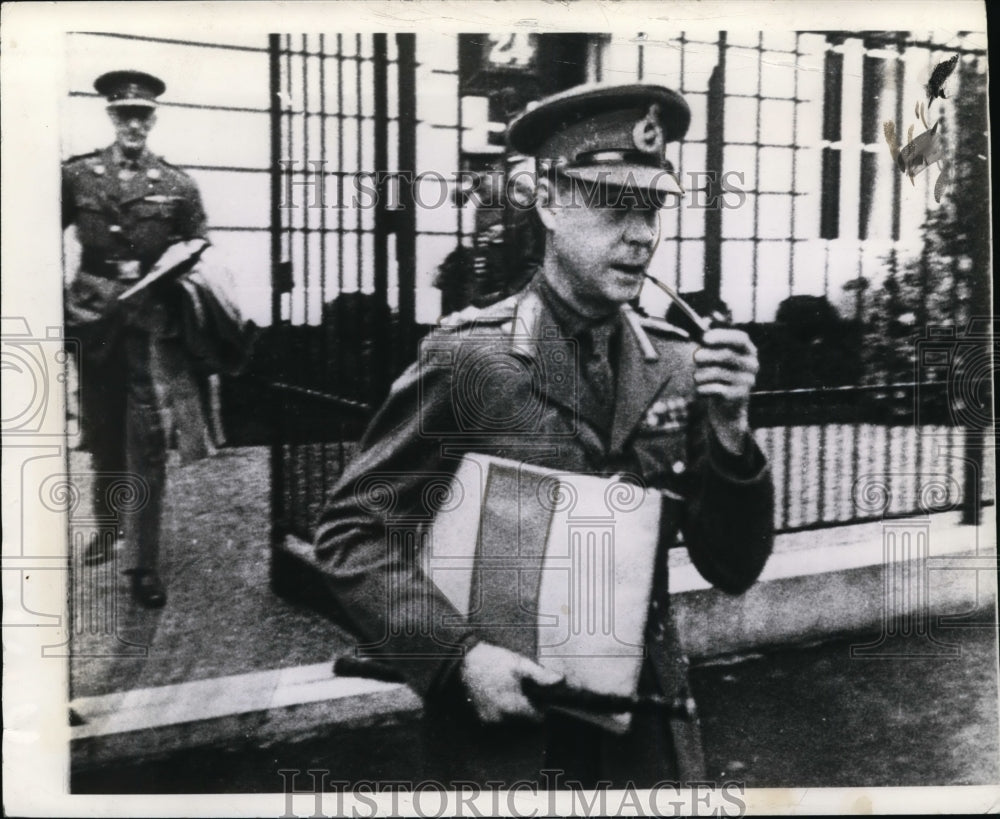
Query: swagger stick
{"points": [[542, 696], [561, 694]]}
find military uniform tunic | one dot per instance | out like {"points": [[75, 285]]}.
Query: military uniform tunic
{"points": [[126, 213], [498, 381]]}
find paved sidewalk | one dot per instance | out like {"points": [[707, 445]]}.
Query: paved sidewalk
{"points": [[221, 617]]}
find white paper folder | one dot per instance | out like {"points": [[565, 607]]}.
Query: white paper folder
{"points": [[555, 565]]}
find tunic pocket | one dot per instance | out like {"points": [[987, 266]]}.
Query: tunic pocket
{"points": [[147, 209], [93, 225], [88, 203], [152, 227]]}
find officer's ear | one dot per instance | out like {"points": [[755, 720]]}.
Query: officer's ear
{"points": [[545, 201], [152, 118]]}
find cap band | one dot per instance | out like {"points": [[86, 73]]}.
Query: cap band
{"points": [[590, 158]]}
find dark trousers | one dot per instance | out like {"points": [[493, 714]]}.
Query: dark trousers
{"points": [[123, 429], [561, 752], [594, 757]]}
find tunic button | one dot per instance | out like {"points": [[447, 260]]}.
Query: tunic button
{"points": [[678, 467], [115, 229]]}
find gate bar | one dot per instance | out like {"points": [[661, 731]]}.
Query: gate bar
{"points": [[381, 227], [406, 226], [278, 524]]}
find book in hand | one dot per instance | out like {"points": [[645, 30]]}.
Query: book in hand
{"points": [[175, 261]]}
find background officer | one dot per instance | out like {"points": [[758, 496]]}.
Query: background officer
{"points": [[650, 402], [128, 206]]}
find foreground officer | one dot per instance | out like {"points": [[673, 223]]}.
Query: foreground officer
{"points": [[649, 402], [128, 206]]}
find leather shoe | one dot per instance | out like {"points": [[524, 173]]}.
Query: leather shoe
{"points": [[147, 589]]}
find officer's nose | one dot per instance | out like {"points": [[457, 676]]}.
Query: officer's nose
{"points": [[640, 227]]}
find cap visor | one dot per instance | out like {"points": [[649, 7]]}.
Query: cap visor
{"points": [[660, 182], [139, 103]]}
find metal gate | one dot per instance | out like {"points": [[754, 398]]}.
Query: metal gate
{"points": [[342, 316]]}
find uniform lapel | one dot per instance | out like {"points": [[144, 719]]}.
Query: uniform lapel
{"points": [[640, 378], [110, 191], [639, 381], [141, 184], [537, 335]]}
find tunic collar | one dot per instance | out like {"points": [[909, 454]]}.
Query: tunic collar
{"points": [[117, 158], [572, 322]]}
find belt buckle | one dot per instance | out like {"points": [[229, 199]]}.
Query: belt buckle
{"points": [[128, 270]]}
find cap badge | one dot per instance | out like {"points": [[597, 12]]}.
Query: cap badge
{"points": [[153, 174], [648, 133], [98, 170]]}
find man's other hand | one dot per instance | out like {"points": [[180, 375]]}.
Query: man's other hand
{"points": [[492, 676], [725, 371]]}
